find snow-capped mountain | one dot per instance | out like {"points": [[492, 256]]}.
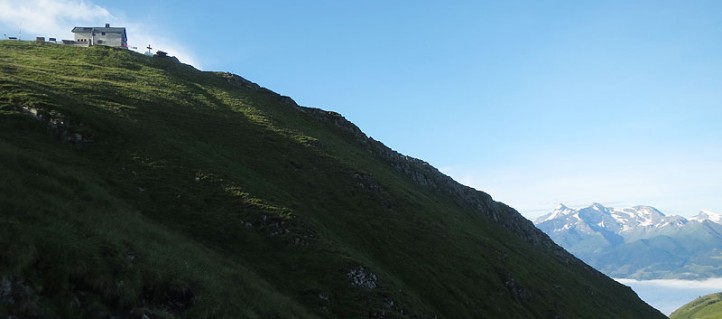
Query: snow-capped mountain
{"points": [[707, 215], [617, 220], [638, 242]]}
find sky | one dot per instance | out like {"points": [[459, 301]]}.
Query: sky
{"points": [[534, 102]]}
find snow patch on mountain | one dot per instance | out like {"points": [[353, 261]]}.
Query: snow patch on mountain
{"points": [[707, 215], [559, 212], [640, 241], [619, 220]]}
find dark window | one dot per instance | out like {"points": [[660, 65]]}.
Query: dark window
{"points": [[102, 33]]}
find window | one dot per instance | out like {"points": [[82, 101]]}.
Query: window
{"points": [[102, 33]]}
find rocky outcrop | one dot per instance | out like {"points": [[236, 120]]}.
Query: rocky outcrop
{"points": [[239, 81], [361, 277], [61, 126], [19, 298]]}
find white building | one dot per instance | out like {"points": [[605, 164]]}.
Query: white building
{"points": [[112, 37]]}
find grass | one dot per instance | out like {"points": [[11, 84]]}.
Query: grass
{"points": [[706, 307], [196, 195]]}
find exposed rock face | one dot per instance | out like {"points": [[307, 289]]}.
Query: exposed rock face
{"points": [[362, 277], [61, 126], [18, 297], [238, 80], [6, 291], [517, 291]]}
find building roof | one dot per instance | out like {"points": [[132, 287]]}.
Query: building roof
{"points": [[98, 29]]}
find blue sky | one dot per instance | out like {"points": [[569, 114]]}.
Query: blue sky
{"points": [[536, 103]]}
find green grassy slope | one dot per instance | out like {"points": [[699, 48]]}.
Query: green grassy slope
{"points": [[135, 185], [707, 307]]}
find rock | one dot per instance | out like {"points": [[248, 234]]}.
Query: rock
{"points": [[19, 297], [6, 291], [240, 81], [361, 277], [130, 256], [518, 292]]}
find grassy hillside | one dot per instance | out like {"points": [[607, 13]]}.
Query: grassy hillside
{"points": [[707, 307], [139, 186]]}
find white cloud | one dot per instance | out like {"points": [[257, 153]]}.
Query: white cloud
{"points": [[48, 17], [715, 284], [56, 18], [140, 38]]}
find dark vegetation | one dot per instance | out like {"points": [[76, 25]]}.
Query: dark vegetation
{"points": [[137, 186]]}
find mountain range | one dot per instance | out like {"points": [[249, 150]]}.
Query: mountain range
{"points": [[639, 242]]}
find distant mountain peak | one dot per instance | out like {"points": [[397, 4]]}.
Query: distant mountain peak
{"points": [[613, 220], [638, 241], [558, 212], [707, 215]]}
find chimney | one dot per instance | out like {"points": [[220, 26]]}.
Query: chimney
{"points": [[107, 25]]}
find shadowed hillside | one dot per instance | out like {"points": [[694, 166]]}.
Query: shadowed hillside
{"points": [[136, 186]]}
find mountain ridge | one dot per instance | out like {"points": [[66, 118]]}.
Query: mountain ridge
{"points": [[562, 209], [140, 186]]}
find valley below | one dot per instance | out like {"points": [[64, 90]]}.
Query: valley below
{"points": [[667, 295]]}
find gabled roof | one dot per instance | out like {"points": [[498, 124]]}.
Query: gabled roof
{"points": [[98, 29]]}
